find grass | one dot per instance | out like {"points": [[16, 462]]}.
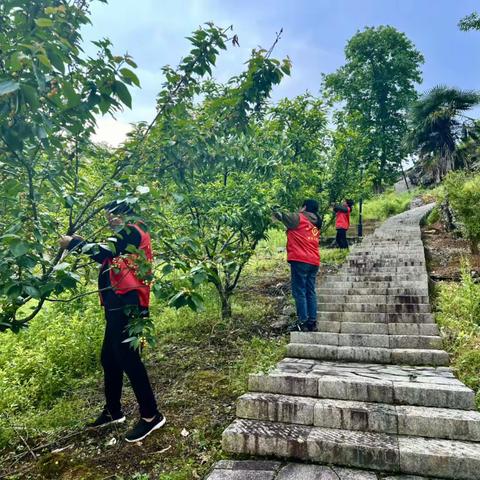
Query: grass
{"points": [[50, 381], [458, 316]]}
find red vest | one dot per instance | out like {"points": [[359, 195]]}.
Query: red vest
{"points": [[122, 270], [343, 219], [302, 242]]}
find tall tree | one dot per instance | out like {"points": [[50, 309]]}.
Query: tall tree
{"points": [[376, 85], [437, 124], [470, 22]]}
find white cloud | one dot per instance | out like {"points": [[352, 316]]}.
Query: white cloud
{"points": [[111, 131]]}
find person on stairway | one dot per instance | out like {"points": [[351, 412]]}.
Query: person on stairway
{"points": [[342, 222], [124, 297], [303, 255]]}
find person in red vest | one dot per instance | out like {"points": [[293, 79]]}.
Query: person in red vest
{"points": [[342, 222], [124, 296], [303, 255]]}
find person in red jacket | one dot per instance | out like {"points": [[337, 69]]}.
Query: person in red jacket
{"points": [[342, 222], [124, 296], [303, 255]]}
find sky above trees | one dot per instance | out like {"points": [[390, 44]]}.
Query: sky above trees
{"points": [[315, 33]]}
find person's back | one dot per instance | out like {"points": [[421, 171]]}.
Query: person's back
{"points": [[303, 255], [342, 222]]}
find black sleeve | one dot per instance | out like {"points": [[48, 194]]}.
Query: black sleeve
{"points": [[340, 208], [124, 238]]}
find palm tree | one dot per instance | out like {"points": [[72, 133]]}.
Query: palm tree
{"points": [[437, 124]]}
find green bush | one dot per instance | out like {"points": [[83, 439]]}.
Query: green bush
{"points": [[463, 193], [385, 205], [458, 315], [433, 216], [45, 361]]}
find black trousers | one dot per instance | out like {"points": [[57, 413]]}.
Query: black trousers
{"points": [[342, 238], [118, 357]]}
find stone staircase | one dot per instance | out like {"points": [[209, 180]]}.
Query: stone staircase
{"points": [[370, 390]]}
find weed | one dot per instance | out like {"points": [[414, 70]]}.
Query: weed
{"points": [[458, 315]]}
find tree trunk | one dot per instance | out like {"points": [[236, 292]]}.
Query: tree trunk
{"points": [[405, 178], [226, 306]]}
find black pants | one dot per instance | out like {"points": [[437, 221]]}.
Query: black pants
{"points": [[118, 357], [342, 238]]}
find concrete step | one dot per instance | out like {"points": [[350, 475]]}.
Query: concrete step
{"points": [[361, 291], [421, 286], [367, 340], [392, 384], [382, 261], [403, 356], [386, 270], [363, 416], [374, 307], [374, 299], [410, 329], [376, 451], [276, 470], [380, 277], [376, 317]]}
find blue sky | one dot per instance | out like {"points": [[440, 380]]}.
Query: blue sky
{"points": [[315, 34]]}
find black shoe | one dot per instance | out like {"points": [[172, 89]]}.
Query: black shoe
{"points": [[309, 327], [294, 327], [105, 418], [144, 428]]}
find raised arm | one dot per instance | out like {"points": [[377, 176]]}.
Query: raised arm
{"points": [[99, 253]]}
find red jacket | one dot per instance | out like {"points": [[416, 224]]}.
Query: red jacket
{"points": [[123, 277], [302, 242], [343, 219]]}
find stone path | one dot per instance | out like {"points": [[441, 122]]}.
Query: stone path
{"points": [[370, 390]]}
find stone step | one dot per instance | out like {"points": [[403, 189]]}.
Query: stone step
{"points": [[367, 340], [410, 329], [387, 270], [376, 451], [377, 286], [376, 317], [399, 385], [374, 299], [403, 356], [372, 417], [361, 291], [374, 307], [372, 277], [276, 470], [382, 261]]}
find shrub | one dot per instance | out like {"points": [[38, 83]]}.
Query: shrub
{"points": [[433, 216], [458, 315], [463, 193], [46, 360]]}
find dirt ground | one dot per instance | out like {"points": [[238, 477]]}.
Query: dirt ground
{"points": [[445, 251]]}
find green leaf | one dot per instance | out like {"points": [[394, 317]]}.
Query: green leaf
{"points": [[15, 61], [56, 61], [19, 248], [44, 59], [8, 86], [14, 290], [43, 22], [196, 302], [123, 94], [130, 62], [128, 74], [31, 95], [72, 97], [32, 291]]}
